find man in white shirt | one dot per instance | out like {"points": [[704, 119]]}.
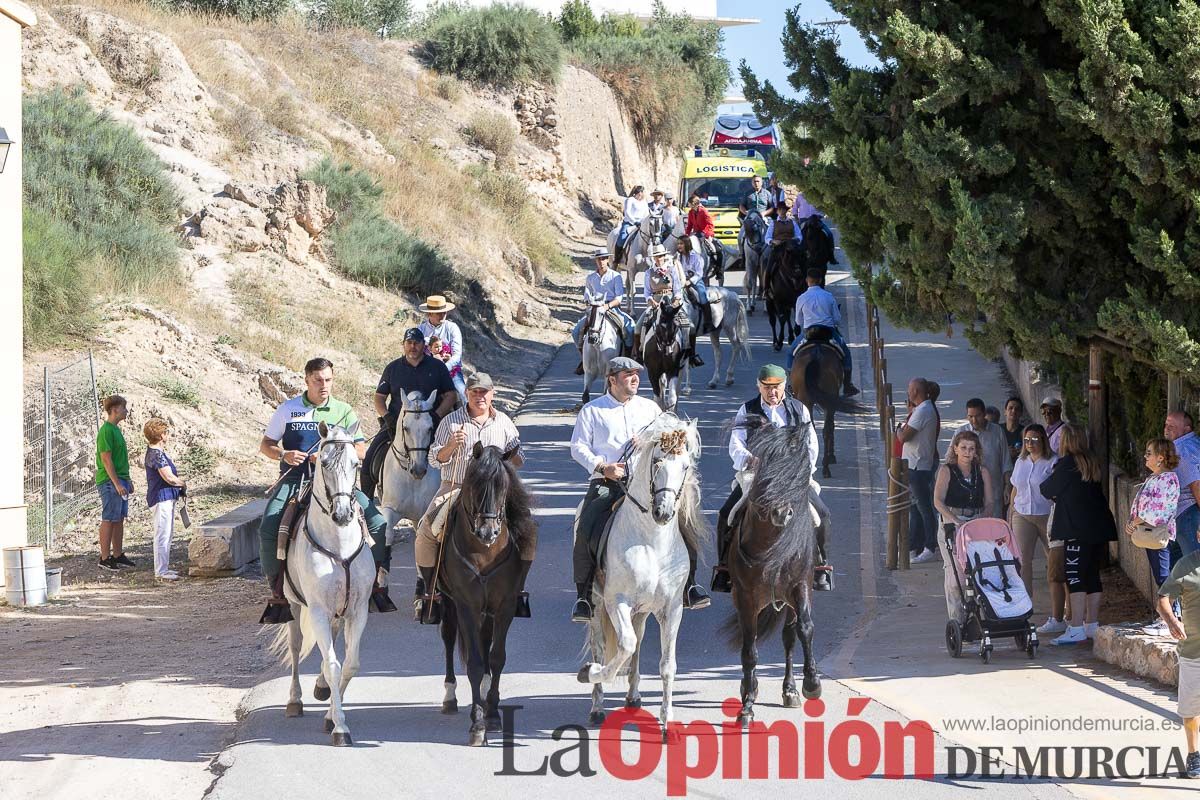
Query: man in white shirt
{"points": [[781, 411], [634, 211], [919, 433], [608, 287], [605, 431], [818, 317], [995, 455]]}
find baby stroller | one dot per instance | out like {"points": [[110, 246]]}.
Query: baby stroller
{"points": [[987, 570]]}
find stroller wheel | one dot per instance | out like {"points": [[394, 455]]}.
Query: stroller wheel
{"points": [[954, 639], [1031, 650], [1022, 641], [985, 653]]}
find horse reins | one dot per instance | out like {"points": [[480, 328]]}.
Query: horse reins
{"points": [[344, 563], [406, 457]]}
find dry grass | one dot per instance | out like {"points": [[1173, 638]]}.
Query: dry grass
{"points": [[492, 132]]}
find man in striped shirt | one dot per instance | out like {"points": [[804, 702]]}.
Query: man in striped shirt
{"points": [[453, 444]]}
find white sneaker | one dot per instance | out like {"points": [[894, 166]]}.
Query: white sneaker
{"points": [[1072, 636], [1090, 628], [1052, 625], [1156, 628], [168, 576], [925, 557]]}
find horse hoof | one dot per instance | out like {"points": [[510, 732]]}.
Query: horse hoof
{"points": [[633, 702], [596, 717], [791, 699], [583, 675], [825, 473], [493, 724], [670, 735], [342, 740], [478, 736], [813, 693], [329, 726], [729, 381], [450, 707], [294, 710], [712, 384], [321, 692], [745, 718]]}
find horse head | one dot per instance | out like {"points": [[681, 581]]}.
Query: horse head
{"points": [[671, 449], [595, 322], [337, 469], [754, 229], [652, 226], [485, 490], [414, 434], [817, 243]]}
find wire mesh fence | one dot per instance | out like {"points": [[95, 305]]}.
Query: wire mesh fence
{"points": [[60, 426]]}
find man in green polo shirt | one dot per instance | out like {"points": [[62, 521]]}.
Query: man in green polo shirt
{"points": [[1184, 585], [113, 484]]}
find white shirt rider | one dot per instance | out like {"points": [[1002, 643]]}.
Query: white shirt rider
{"points": [[817, 307], [450, 334], [605, 427], [605, 288], [778, 416], [635, 210]]}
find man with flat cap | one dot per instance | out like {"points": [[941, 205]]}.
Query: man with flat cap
{"points": [[603, 430], [605, 286], [781, 411]]}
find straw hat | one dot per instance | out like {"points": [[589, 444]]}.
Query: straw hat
{"points": [[435, 304]]}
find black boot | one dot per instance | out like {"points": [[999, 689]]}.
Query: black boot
{"points": [[823, 578], [278, 610], [848, 387], [582, 610], [523, 596], [380, 602], [694, 596], [427, 603], [579, 369], [693, 359]]}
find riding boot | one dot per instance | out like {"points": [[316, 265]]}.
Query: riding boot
{"points": [[823, 572], [278, 610], [523, 596], [427, 602], [582, 610], [579, 369], [693, 359], [380, 601], [720, 577], [694, 596], [848, 387]]}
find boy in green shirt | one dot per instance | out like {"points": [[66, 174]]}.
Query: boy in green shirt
{"points": [[1184, 585], [112, 481]]}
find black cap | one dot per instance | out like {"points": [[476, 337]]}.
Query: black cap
{"points": [[414, 334]]}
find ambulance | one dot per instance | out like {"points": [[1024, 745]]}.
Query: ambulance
{"points": [[721, 178], [745, 132]]}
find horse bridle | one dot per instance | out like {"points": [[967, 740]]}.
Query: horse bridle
{"points": [[405, 458], [344, 563], [655, 467]]}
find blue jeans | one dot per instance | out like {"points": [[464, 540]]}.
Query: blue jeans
{"points": [[626, 324], [623, 233], [837, 339], [113, 507], [922, 521], [1160, 564], [1186, 525]]}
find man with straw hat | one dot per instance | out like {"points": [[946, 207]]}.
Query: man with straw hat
{"points": [[607, 286], [435, 308]]}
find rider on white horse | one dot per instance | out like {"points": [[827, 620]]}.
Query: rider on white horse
{"points": [[453, 446], [635, 210], [415, 371], [291, 438], [781, 411], [608, 286], [605, 431], [817, 319], [665, 281]]}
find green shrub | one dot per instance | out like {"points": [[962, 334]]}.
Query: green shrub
{"points": [[242, 9], [577, 21], [620, 25], [387, 19], [492, 132], [176, 390], [198, 460], [501, 44], [348, 189], [101, 210], [447, 87]]}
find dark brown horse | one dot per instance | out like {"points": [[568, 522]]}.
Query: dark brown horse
{"points": [[772, 555], [783, 282], [479, 572], [818, 247], [662, 353], [816, 380]]}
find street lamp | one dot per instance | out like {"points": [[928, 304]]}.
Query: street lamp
{"points": [[5, 144]]}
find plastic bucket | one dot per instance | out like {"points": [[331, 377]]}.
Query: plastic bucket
{"points": [[53, 583], [24, 576]]}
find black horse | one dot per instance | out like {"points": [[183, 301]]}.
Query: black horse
{"points": [[783, 282], [479, 571], [663, 354], [772, 557], [818, 247]]}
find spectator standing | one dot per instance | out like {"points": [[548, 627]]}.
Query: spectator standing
{"points": [[1156, 505], [962, 491], [1183, 585], [164, 487], [113, 483], [1084, 524], [1178, 428], [1052, 409], [1014, 428], [994, 450], [1031, 514], [919, 435]]}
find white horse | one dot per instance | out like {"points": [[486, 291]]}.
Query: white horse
{"points": [[407, 484], [328, 581], [753, 241], [601, 344], [645, 564], [728, 318], [640, 240]]}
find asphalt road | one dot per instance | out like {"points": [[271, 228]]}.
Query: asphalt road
{"points": [[404, 746]]}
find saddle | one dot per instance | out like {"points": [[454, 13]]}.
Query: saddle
{"points": [[600, 547], [376, 465], [817, 337], [716, 304]]}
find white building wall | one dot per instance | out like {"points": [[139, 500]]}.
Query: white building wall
{"points": [[13, 17]]}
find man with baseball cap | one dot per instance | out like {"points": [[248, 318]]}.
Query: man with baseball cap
{"points": [[603, 430], [453, 444], [604, 286], [781, 411], [415, 371]]}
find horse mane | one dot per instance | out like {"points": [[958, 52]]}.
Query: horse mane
{"points": [[491, 470], [692, 524], [783, 478]]}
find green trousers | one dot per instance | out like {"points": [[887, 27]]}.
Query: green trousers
{"points": [[268, 530]]}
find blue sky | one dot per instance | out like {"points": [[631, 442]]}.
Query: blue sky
{"points": [[759, 44]]}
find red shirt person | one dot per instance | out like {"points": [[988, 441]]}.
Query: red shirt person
{"points": [[699, 221]]}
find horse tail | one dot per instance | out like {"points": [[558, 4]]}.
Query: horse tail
{"points": [[279, 647], [832, 402], [769, 621], [741, 335], [600, 639]]}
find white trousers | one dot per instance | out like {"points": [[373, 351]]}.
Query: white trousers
{"points": [[164, 529]]}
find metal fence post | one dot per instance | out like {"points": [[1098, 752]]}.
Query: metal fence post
{"points": [[95, 391], [48, 459]]}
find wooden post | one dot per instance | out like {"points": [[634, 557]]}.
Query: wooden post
{"points": [[1174, 391], [902, 546], [893, 515], [1097, 411], [884, 419]]}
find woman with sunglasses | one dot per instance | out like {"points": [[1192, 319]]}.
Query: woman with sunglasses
{"points": [[1031, 514], [1155, 505]]}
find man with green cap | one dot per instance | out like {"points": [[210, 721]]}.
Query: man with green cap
{"points": [[781, 411]]}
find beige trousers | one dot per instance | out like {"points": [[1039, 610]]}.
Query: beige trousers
{"points": [[1030, 530], [425, 547]]}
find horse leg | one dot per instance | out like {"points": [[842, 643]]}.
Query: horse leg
{"points": [[620, 612], [486, 630], [322, 627], [469, 629], [748, 619], [355, 626], [791, 698], [668, 632], [449, 639], [803, 601], [828, 458], [497, 657], [633, 699], [295, 706]]}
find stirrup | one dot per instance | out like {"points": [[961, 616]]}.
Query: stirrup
{"points": [[823, 571], [277, 612], [522, 610], [721, 580], [582, 611], [428, 609], [695, 598], [380, 602]]}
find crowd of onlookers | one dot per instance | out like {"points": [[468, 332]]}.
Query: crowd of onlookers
{"points": [[1044, 479]]}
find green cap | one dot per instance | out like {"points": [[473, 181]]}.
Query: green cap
{"points": [[772, 373]]}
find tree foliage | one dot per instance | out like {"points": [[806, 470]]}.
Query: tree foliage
{"points": [[576, 21], [503, 45]]}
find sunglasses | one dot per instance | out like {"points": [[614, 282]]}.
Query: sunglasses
{"points": [[1031, 440]]}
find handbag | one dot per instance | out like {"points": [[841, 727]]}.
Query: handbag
{"points": [[1150, 537]]}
